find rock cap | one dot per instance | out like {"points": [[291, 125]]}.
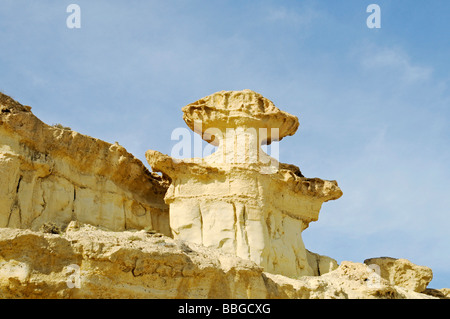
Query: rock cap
{"points": [[235, 109]]}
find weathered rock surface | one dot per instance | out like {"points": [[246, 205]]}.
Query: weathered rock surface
{"points": [[443, 293], [255, 216], [82, 218], [401, 272], [51, 173], [239, 199], [320, 264], [87, 262], [230, 109]]}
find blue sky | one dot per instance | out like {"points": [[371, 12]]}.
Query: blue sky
{"points": [[373, 104]]}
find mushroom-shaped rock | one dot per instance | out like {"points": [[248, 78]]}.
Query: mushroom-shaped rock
{"points": [[238, 109], [239, 199]]}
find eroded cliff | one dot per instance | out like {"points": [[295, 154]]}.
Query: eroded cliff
{"points": [[87, 262], [54, 174], [83, 218]]}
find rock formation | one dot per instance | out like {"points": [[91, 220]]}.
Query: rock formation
{"points": [[82, 218], [240, 199], [402, 272], [54, 174], [87, 262]]}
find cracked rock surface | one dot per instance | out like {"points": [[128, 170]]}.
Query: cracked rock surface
{"points": [[53, 174], [88, 262]]}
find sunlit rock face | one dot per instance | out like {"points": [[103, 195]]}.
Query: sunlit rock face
{"points": [[53, 174], [82, 218], [240, 199]]}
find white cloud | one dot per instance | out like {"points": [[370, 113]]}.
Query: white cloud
{"points": [[305, 16], [396, 61]]}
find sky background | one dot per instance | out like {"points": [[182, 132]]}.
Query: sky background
{"points": [[373, 104]]}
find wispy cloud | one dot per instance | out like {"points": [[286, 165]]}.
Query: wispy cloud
{"points": [[302, 17], [397, 62]]}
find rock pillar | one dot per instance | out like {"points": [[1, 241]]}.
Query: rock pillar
{"points": [[240, 199]]}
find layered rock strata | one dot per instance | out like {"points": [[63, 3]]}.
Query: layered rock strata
{"points": [[97, 225], [54, 174], [240, 199], [87, 262]]}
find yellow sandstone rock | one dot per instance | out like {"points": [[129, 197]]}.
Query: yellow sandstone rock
{"points": [[54, 174], [82, 218], [231, 109], [240, 199], [401, 272], [87, 262]]}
